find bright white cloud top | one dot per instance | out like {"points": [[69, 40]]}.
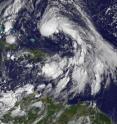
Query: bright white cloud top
{"points": [[88, 67], [93, 56]]}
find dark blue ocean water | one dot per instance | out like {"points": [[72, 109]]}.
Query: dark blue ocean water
{"points": [[107, 102], [106, 99]]}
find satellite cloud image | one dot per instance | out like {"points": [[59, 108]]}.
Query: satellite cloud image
{"points": [[58, 61]]}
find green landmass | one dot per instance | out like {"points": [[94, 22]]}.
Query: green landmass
{"points": [[33, 54], [5, 45], [37, 53], [52, 112]]}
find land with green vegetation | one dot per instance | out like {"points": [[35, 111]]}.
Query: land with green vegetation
{"points": [[48, 111], [37, 53], [4, 45], [33, 110], [33, 54]]}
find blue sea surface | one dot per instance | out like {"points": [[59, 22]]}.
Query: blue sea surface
{"points": [[107, 102]]}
